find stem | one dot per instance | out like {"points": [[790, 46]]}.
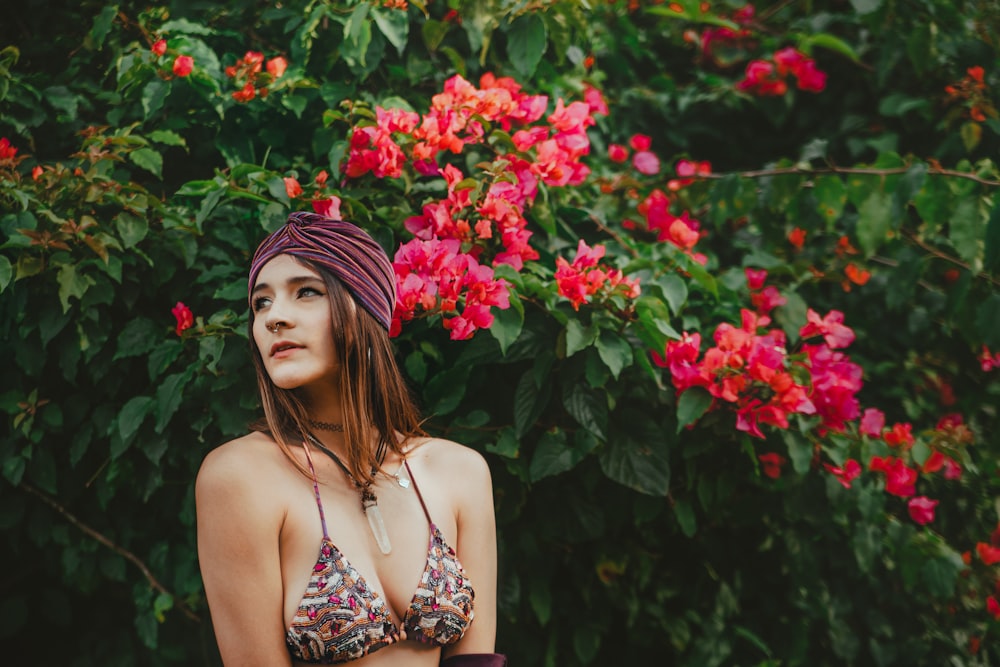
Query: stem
{"points": [[125, 553], [946, 257], [813, 171]]}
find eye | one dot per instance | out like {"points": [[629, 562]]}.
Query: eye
{"points": [[259, 303], [309, 291]]}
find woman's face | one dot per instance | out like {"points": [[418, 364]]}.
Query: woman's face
{"points": [[292, 298]]}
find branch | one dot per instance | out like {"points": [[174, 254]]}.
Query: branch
{"points": [[948, 258], [125, 553], [812, 171]]}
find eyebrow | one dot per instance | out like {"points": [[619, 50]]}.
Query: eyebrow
{"points": [[294, 281]]}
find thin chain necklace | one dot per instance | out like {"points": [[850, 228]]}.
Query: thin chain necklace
{"points": [[369, 501]]}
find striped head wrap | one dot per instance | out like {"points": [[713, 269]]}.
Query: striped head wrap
{"points": [[344, 249]]}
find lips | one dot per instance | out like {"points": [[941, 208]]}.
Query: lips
{"points": [[283, 346]]}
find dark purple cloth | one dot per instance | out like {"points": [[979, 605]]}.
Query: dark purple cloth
{"points": [[341, 247]]}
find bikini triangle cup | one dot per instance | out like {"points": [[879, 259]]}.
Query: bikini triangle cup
{"points": [[340, 618]]}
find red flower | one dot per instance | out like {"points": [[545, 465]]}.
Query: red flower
{"points": [[292, 188], [183, 65], [856, 275], [36, 172], [797, 237], [328, 207], [989, 555], [846, 474], [899, 436], [245, 94], [921, 509], [183, 316], [831, 327], [993, 607], [755, 277], [277, 66], [7, 152], [159, 47], [772, 464], [617, 153], [640, 142], [321, 177]]}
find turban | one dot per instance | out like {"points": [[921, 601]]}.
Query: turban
{"points": [[341, 247]]}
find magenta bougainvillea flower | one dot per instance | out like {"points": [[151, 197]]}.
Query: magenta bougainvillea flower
{"points": [[183, 65], [921, 509]]}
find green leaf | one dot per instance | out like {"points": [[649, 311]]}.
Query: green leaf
{"points": [[62, 99], [6, 272], [642, 466], [507, 445], [800, 451], [589, 408], [940, 576], [988, 321], [530, 401], [357, 36], [831, 195], [71, 284], [615, 352], [433, 33], [541, 601], [552, 456], [168, 398], [967, 229], [831, 42], [131, 229], [873, 222], [167, 138], [445, 390], [579, 337], [148, 159], [675, 291], [991, 254], [507, 324], [153, 95], [139, 337], [684, 513], [863, 7], [102, 25], [691, 405], [394, 25], [130, 419], [526, 42]]}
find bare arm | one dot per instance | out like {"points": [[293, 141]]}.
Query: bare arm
{"points": [[238, 552], [477, 550]]}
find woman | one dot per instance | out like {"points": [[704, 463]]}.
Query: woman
{"points": [[330, 534]]}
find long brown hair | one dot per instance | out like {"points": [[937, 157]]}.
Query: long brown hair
{"points": [[377, 406]]}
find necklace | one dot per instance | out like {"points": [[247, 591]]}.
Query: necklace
{"points": [[327, 426], [369, 501]]}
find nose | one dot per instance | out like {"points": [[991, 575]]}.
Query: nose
{"points": [[278, 317]]}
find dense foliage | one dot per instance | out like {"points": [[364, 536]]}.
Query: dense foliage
{"points": [[713, 285]]}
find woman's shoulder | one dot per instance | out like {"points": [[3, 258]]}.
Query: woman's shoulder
{"points": [[449, 458], [241, 462]]}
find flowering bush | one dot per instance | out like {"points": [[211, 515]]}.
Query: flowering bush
{"points": [[713, 286]]}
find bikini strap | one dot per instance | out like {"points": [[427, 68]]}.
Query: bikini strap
{"points": [[416, 487], [319, 502]]}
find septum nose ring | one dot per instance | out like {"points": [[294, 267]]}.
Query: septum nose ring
{"points": [[273, 328]]}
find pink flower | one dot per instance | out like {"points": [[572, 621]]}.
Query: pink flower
{"points": [[646, 162], [183, 65], [810, 79], [830, 327], [328, 207], [900, 480], [159, 47], [761, 79], [183, 316], [617, 153], [276, 66], [993, 607], [755, 277], [595, 100], [921, 509], [292, 188], [872, 422]]}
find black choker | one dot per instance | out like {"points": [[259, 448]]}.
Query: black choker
{"points": [[327, 426]]}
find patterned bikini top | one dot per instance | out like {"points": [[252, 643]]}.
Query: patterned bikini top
{"points": [[341, 618]]}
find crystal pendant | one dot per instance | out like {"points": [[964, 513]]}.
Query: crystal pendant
{"points": [[377, 525], [402, 477]]}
